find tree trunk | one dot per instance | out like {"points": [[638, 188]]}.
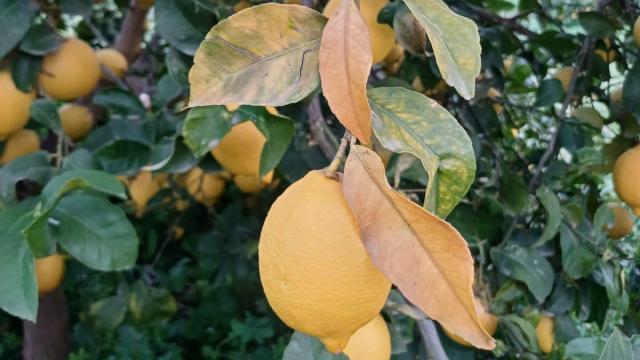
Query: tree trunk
{"points": [[48, 339]]}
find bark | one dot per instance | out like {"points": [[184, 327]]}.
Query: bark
{"points": [[130, 37], [48, 339]]}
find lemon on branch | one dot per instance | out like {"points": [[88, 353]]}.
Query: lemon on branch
{"points": [[370, 342], [49, 273], [14, 106], [20, 144], [114, 61], [626, 178], [76, 120]]}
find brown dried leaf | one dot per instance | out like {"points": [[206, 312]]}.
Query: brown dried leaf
{"points": [[345, 62], [425, 257]]}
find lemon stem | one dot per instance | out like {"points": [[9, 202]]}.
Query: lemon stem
{"points": [[331, 170]]}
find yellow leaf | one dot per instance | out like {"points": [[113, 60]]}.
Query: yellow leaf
{"points": [[345, 63], [425, 257]]}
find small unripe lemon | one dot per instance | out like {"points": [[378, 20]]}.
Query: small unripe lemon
{"points": [[77, 121], [626, 178], [143, 187], [564, 75], [545, 333], [49, 273], [206, 188], [622, 222], [114, 60], [636, 31], [382, 36], [22, 143], [14, 106], [488, 321], [70, 72], [251, 184], [370, 342], [314, 269]]}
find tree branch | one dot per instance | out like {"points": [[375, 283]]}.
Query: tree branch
{"points": [[316, 125], [431, 340], [130, 37]]}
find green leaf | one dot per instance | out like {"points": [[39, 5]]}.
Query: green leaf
{"points": [[15, 19], [205, 127], [514, 194], [172, 156], [39, 238], [277, 129], [549, 92], [588, 348], [554, 214], [409, 122], [596, 24], [35, 167], [40, 40], [455, 41], [178, 66], [618, 347], [608, 275], [526, 265], [81, 179], [631, 89], [18, 288], [109, 313], [24, 71], [305, 347], [519, 332], [149, 304], [176, 25], [578, 258], [123, 156], [79, 159], [259, 56], [95, 232], [120, 102], [76, 7], [46, 113], [167, 90]]}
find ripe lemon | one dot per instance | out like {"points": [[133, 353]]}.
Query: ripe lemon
{"points": [[622, 224], [251, 184], [545, 333], [370, 342], [626, 175], [77, 121], [206, 188], [70, 72], [314, 269], [241, 5], [143, 187], [49, 273], [488, 321], [14, 106], [636, 31], [239, 151], [382, 36], [20, 144], [564, 75], [114, 60]]}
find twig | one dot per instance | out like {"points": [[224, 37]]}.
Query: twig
{"points": [[331, 170], [130, 37], [316, 125], [508, 22], [431, 340]]}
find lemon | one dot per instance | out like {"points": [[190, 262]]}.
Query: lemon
{"points": [[370, 342], [545, 333], [626, 175], [206, 188], [239, 151], [564, 75], [488, 321], [114, 60], [14, 106], [144, 187], [20, 144], [251, 184], [70, 72], [77, 121], [622, 224], [314, 269], [49, 273], [241, 5], [382, 36]]}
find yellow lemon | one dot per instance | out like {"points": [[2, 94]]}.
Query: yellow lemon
{"points": [[545, 333], [251, 184], [20, 144], [382, 36], [622, 223], [77, 121], [14, 106], [488, 321], [564, 75], [143, 187], [114, 60], [239, 151], [70, 72], [49, 273], [206, 188], [370, 342], [314, 269], [626, 175]]}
